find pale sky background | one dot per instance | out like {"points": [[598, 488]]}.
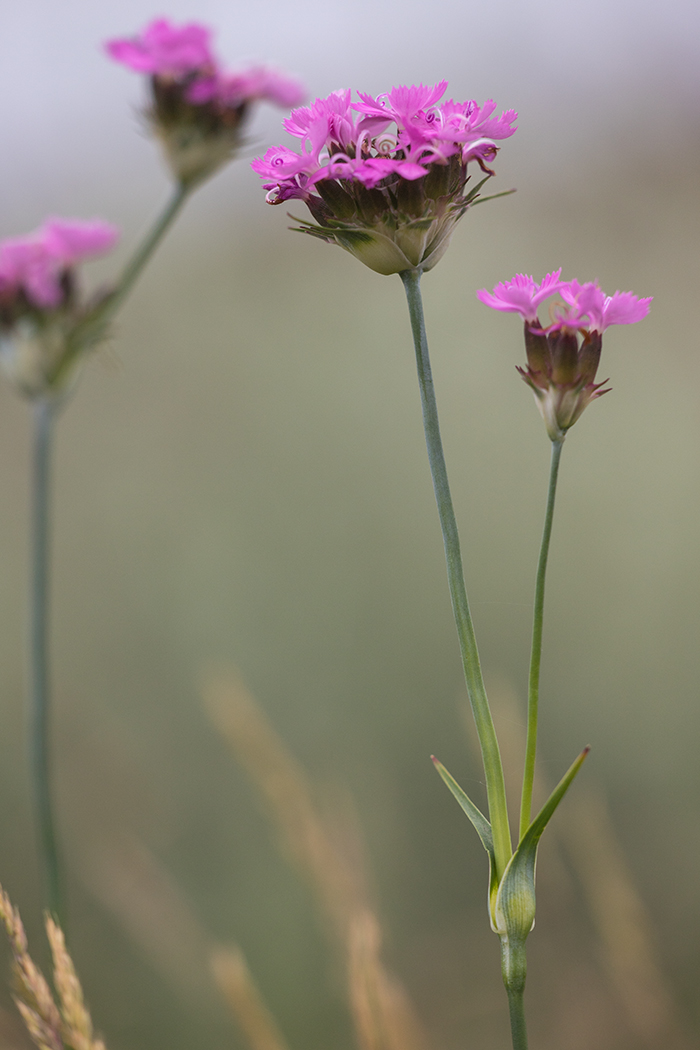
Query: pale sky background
{"points": [[577, 73]]}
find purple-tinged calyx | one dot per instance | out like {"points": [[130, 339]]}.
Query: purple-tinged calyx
{"points": [[385, 178], [563, 358]]}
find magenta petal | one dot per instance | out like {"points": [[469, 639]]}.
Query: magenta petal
{"points": [[625, 308]]}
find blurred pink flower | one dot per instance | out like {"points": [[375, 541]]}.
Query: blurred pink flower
{"points": [[165, 50], [256, 83], [35, 264], [198, 108]]}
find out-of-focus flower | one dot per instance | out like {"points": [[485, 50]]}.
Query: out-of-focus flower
{"points": [[165, 50], [385, 178], [40, 307], [198, 110], [563, 358]]}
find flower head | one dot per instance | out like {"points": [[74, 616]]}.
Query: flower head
{"points": [[386, 177], [198, 109], [40, 306], [562, 359]]}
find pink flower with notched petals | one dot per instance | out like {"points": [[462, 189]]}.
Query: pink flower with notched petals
{"points": [[164, 49], [588, 306], [521, 295], [425, 133], [35, 264], [562, 359], [385, 178]]}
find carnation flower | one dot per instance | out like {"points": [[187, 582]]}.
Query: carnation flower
{"points": [[563, 358], [385, 178], [40, 307], [198, 110]]}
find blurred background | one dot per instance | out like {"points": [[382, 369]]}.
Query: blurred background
{"points": [[241, 481]]}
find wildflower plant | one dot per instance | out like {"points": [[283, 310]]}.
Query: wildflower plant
{"points": [[48, 325], [387, 179]]}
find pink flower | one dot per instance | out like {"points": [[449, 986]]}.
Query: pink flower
{"points": [[165, 50], [425, 133], [36, 264], [561, 370], [198, 108], [358, 160], [521, 295]]}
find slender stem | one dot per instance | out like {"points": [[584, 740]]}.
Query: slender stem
{"points": [[536, 652], [132, 270], [516, 1006], [94, 324], [39, 655], [493, 769]]}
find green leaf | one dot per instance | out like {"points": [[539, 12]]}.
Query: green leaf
{"points": [[514, 910], [481, 826]]}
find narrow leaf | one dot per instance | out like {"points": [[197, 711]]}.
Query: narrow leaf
{"points": [[481, 826]]}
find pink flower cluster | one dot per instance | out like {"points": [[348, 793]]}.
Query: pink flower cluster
{"points": [[35, 265], [585, 306], [341, 139], [184, 54]]}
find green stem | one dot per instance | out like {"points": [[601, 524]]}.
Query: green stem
{"points": [[93, 326], [518, 1029], [39, 656], [536, 652], [493, 769]]}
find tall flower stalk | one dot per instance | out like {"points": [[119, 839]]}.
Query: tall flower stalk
{"points": [[533, 689], [387, 179], [490, 753]]}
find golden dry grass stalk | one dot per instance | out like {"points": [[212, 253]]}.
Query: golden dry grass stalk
{"points": [[231, 973], [67, 1026], [383, 1016]]}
